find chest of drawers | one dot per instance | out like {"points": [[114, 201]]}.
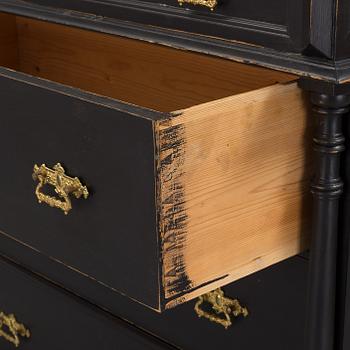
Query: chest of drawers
{"points": [[169, 147]]}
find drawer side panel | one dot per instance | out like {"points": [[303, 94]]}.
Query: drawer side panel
{"points": [[243, 172]]}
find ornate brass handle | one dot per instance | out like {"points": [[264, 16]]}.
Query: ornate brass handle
{"points": [[64, 186], [207, 3], [14, 330], [222, 308]]}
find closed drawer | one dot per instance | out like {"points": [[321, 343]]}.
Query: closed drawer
{"points": [[273, 11], [56, 320], [179, 202], [278, 24], [276, 302]]}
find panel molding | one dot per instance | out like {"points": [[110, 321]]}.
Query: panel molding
{"points": [[314, 67], [264, 34]]}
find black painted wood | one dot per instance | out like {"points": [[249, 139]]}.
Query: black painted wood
{"points": [[272, 12], [344, 324], [112, 236], [322, 27], [311, 66], [327, 187], [270, 23], [343, 270], [342, 49], [57, 320], [276, 299]]}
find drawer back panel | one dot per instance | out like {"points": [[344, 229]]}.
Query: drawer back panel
{"points": [[144, 74]]}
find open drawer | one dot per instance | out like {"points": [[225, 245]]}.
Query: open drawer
{"points": [[199, 178]]}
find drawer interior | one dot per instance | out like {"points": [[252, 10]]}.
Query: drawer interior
{"points": [[145, 74], [235, 150]]}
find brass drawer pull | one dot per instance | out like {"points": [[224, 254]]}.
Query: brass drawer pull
{"points": [[13, 330], [207, 3], [222, 307], [64, 186]]}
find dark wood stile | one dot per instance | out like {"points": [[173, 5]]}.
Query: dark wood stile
{"points": [[326, 285], [343, 272], [342, 30], [322, 17]]}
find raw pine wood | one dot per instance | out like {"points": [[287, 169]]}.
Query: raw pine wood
{"points": [[8, 41], [145, 74], [243, 173]]}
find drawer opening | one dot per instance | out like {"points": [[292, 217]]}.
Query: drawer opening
{"points": [[145, 74], [223, 183]]}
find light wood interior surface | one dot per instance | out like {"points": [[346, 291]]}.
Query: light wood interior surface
{"points": [[141, 73], [8, 42], [244, 176]]}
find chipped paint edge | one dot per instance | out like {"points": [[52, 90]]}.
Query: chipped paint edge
{"points": [[172, 213]]}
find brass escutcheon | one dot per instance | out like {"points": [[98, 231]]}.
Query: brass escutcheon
{"points": [[207, 3], [222, 307], [14, 329], [64, 186]]}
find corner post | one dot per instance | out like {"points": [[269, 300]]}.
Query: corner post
{"points": [[328, 108]]}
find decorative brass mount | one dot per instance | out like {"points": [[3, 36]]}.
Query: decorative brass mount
{"points": [[64, 186], [14, 329], [222, 307], [207, 3]]}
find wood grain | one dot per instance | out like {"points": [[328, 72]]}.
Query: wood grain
{"points": [[243, 174], [232, 174], [8, 41], [141, 73]]}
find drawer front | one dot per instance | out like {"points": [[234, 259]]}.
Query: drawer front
{"points": [[275, 299], [279, 24], [57, 320], [276, 302], [270, 11], [107, 237]]}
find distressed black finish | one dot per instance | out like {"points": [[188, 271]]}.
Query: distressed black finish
{"points": [[344, 322], [57, 320], [278, 24], [343, 271], [342, 30], [327, 188], [311, 64], [275, 297], [100, 238]]}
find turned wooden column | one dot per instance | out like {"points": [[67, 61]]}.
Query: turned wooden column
{"points": [[328, 110]]}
